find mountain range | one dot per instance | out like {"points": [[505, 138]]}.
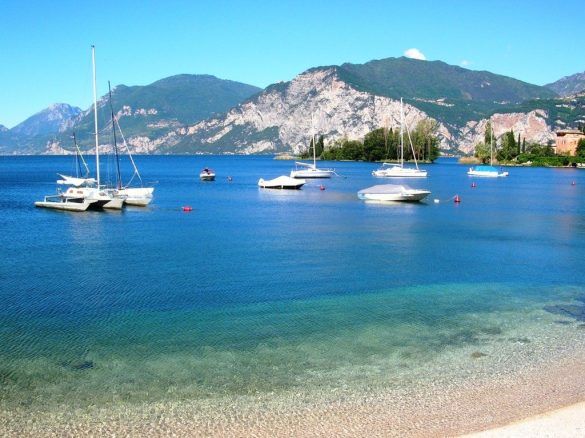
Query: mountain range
{"points": [[204, 114]]}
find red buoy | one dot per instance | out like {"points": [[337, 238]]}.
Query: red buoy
{"points": [[321, 187], [187, 208], [457, 199]]}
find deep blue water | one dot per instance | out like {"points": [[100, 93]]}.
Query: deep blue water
{"points": [[253, 272]]}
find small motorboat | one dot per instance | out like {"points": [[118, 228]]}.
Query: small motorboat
{"points": [[393, 192], [282, 182], [207, 175]]}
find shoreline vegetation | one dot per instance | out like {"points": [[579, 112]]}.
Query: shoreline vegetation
{"points": [[511, 150]]}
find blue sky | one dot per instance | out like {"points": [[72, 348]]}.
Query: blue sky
{"points": [[45, 46]]}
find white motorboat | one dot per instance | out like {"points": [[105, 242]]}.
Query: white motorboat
{"points": [[308, 170], [282, 182], [397, 170], [207, 174], [485, 171], [392, 192]]}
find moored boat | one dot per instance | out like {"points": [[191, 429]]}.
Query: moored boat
{"points": [[282, 182], [207, 174], [392, 192]]}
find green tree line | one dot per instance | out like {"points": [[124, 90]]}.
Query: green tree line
{"points": [[510, 147], [382, 144]]}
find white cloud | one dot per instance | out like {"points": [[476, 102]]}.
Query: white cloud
{"points": [[464, 63], [415, 54]]}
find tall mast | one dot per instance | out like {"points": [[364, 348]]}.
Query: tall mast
{"points": [[314, 145], [118, 174], [491, 146], [401, 134], [95, 120]]}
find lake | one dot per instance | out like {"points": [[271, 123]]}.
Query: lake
{"points": [[260, 293]]}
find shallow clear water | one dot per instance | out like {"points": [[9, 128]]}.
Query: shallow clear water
{"points": [[258, 291]]}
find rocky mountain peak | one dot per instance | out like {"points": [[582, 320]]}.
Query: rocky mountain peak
{"points": [[569, 85], [58, 117]]}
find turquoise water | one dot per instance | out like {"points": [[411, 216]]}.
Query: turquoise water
{"points": [[261, 292]]}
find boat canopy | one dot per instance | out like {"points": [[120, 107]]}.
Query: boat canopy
{"points": [[309, 165], [385, 189], [76, 182], [485, 168]]}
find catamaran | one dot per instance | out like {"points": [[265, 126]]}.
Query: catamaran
{"points": [[486, 171], [394, 170], [85, 193], [308, 170]]}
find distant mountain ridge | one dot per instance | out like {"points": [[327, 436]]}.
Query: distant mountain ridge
{"points": [[145, 113], [56, 118], [569, 85], [204, 114]]}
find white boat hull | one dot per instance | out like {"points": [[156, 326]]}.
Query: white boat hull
{"points": [[282, 182], [207, 177], [137, 196], [483, 174], [392, 193], [400, 172], [311, 173], [65, 205]]}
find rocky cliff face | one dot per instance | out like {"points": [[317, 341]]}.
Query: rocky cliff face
{"points": [[532, 126], [284, 116]]}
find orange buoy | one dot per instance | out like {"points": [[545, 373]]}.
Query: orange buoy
{"points": [[187, 208], [457, 199], [321, 187]]}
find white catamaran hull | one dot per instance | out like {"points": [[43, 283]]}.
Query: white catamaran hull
{"points": [[64, 204]]}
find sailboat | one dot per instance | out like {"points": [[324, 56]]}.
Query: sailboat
{"points": [[308, 170], [393, 170], [137, 196], [85, 193], [487, 171]]}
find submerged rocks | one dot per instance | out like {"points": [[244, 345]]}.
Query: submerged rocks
{"points": [[78, 365], [478, 354], [576, 311]]}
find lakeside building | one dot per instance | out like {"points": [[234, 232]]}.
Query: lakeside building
{"points": [[567, 140]]}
